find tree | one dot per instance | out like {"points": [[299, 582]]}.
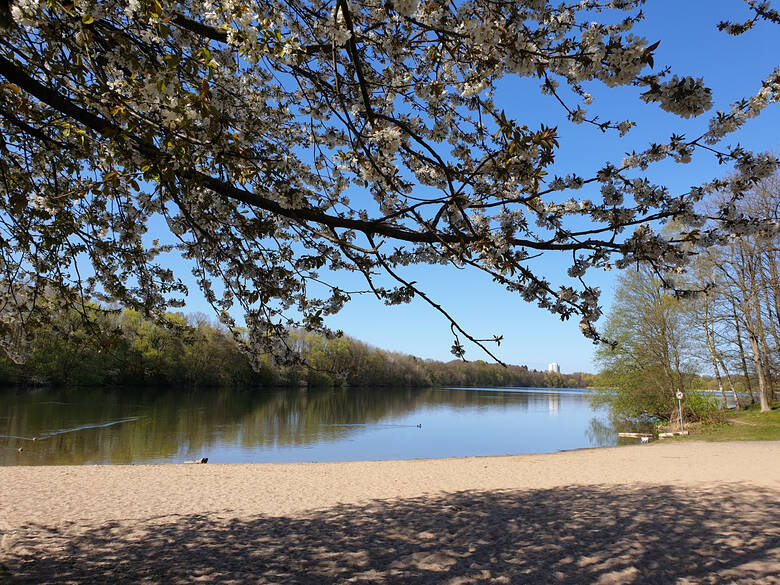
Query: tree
{"points": [[655, 325], [711, 316], [272, 144], [748, 268], [654, 355]]}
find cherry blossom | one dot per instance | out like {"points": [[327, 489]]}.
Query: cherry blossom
{"points": [[280, 143]]}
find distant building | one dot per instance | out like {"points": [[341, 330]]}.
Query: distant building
{"points": [[554, 368]]}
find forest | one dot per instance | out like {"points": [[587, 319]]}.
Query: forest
{"points": [[189, 351], [719, 319]]}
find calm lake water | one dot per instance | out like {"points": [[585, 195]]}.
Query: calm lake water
{"points": [[75, 427]]}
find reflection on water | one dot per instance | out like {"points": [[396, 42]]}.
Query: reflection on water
{"points": [[81, 426], [554, 404], [600, 433]]}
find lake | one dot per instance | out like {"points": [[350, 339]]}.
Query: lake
{"points": [[87, 426]]}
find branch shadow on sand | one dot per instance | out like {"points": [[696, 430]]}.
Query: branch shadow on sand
{"points": [[573, 535]]}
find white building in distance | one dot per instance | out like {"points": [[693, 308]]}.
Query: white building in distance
{"points": [[554, 368]]}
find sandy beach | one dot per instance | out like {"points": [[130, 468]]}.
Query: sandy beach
{"points": [[680, 513]]}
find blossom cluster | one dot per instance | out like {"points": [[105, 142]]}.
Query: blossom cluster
{"points": [[284, 142]]}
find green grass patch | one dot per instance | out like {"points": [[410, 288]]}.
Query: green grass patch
{"points": [[749, 424]]}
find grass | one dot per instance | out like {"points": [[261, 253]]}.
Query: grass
{"points": [[749, 424]]}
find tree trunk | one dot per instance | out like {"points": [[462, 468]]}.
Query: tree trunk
{"points": [[763, 389], [737, 400], [708, 335], [742, 359], [752, 312]]}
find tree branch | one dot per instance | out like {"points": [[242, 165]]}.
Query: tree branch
{"points": [[54, 99]]}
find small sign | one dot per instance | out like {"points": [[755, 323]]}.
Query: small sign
{"points": [[679, 395]]}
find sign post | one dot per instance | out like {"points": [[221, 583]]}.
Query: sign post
{"points": [[679, 406]]}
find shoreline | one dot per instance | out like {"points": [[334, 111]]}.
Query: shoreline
{"points": [[335, 461], [684, 512], [93, 491]]}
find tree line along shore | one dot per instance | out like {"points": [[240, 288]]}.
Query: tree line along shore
{"points": [[189, 351]]}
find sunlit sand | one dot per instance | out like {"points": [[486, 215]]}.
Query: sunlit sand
{"points": [[677, 513]]}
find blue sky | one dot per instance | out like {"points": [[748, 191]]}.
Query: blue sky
{"points": [[732, 67]]}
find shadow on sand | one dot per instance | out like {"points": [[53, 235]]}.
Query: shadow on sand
{"points": [[574, 535]]}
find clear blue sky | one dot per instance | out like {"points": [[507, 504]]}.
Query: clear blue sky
{"points": [[731, 66]]}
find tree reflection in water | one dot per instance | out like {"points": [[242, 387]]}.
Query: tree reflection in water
{"points": [[82, 426]]}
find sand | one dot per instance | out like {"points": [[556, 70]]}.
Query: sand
{"points": [[679, 513]]}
